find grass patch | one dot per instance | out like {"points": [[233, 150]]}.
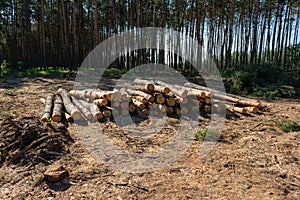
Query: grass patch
{"points": [[114, 72], [209, 134], [12, 92], [34, 72], [289, 126], [200, 134], [4, 113]]}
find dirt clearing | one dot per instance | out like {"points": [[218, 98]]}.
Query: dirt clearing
{"points": [[253, 158]]}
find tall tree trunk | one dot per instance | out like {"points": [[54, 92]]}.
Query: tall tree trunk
{"points": [[66, 38]]}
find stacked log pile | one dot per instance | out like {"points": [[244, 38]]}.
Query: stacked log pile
{"points": [[139, 98]]}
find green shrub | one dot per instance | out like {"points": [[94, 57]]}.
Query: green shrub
{"points": [[12, 92], [114, 72], [289, 126], [209, 134], [266, 81], [3, 68], [200, 134]]}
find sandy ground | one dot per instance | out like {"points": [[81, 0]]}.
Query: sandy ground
{"points": [[253, 159]]}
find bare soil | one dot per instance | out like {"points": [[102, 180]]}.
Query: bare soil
{"points": [[253, 158]]}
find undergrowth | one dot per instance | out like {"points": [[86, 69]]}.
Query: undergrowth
{"points": [[289, 126], [265, 80], [203, 133]]}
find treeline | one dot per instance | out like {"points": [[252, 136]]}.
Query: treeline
{"points": [[59, 33]]}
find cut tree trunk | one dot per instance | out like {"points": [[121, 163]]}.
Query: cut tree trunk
{"points": [[170, 100], [84, 110], [149, 97], [100, 102], [57, 109], [148, 86], [229, 97], [161, 89], [138, 104], [106, 111], [176, 89], [68, 117], [70, 107], [94, 109], [160, 99], [48, 108]]}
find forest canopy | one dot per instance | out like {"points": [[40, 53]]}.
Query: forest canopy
{"points": [[59, 33]]}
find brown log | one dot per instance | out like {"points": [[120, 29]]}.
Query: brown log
{"points": [[149, 97], [131, 107], [48, 108], [169, 110], [100, 102], [180, 100], [141, 99], [106, 111], [148, 85], [57, 108], [138, 104], [162, 107], [161, 89], [204, 100], [207, 108], [252, 109], [150, 105], [197, 93], [78, 93], [68, 117], [159, 98], [70, 107], [116, 95], [125, 95], [177, 110], [229, 97], [43, 100], [184, 110], [116, 104], [242, 102], [236, 109], [176, 89], [94, 109], [98, 94], [170, 100], [84, 110], [124, 105], [145, 111]]}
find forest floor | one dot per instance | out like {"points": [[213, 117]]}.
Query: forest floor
{"points": [[253, 158]]}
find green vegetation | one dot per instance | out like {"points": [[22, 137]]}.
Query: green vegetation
{"points": [[4, 113], [12, 92], [266, 80], [30, 72], [204, 132], [289, 126], [200, 134], [114, 72], [3, 68]]}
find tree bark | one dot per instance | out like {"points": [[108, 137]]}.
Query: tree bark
{"points": [[70, 107], [57, 109], [48, 108]]}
